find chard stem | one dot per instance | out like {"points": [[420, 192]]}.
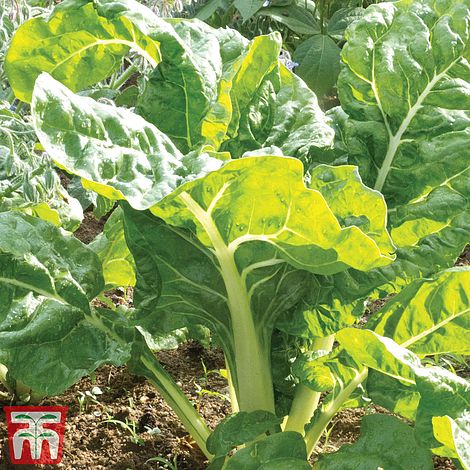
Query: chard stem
{"points": [[313, 434], [126, 75], [306, 400], [231, 389], [252, 371], [144, 363], [179, 403]]}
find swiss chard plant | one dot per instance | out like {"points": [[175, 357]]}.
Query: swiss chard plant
{"points": [[243, 208]]}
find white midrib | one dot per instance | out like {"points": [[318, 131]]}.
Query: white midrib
{"points": [[253, 374], [24, 285], [395, 139], [106, 42], [434, 328]]}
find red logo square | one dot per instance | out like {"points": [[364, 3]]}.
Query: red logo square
{"points": [[36, 433]]}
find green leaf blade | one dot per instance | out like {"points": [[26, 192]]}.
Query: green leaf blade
{"points": [[66, 44]]}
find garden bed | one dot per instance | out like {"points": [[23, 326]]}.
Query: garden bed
{"points": [[92, 443]]}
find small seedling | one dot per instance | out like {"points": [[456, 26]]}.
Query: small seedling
{"points": [[128, 425], [166, 463]]}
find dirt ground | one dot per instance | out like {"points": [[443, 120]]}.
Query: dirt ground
{"points": [[91, 443]]}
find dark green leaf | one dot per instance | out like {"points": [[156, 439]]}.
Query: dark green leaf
{"points": [[240, 428]]}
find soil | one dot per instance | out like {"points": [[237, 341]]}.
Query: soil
{"points": [[92, 443], [153, 430]]}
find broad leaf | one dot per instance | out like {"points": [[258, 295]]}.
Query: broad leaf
{"points": [[296, 18], [442, 394], [238, 98], [35, 256], [398, 397], [337, 373], [248, 8], [75, 45], [405, 123], [341, 19], [329, 305], [276, 452], [385, 442], [49, 345], [45, 340], [186, 95], [318, 59], [408, 121], [240, 428], [430, 316], [115, 152]]}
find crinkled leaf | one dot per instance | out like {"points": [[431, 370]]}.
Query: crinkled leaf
{"points": [[75, 45], [299, 126], [240, 428], [327, 307], [115, 152], [236, 98], [49, 345], [229, 208], [186, 95], [34, 255], [232, 236], [430, 316], [408, 123], [441, 392], [405, 123], [385, 442]]}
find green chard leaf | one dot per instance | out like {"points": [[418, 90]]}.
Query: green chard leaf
{"points": [[35, 256], [407, 126], [441, 392], [240, 428], [276, 452], [327, 306], [454, 434], [51, 359], [116, 152], [75, 45], [430, 316], [385, 442], [187, 94], [46, 282], [405, 123], [236, 98]]}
